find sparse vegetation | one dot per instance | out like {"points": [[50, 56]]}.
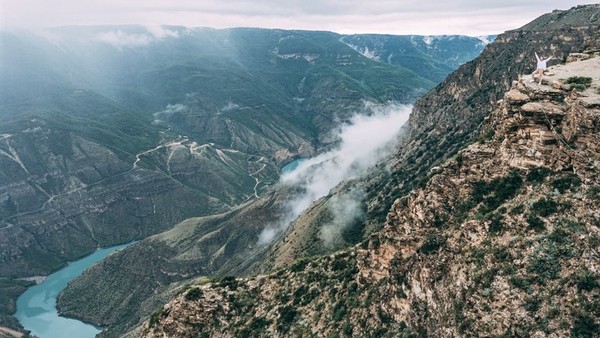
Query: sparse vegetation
{"points": [[157, 315]]}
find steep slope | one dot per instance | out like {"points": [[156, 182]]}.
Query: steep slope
{"points": [[501, 241], [447, 119]]}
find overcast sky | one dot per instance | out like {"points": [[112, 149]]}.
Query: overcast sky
{"points": [[469, 17]]}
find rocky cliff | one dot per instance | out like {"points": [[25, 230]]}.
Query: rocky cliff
{"points": [[502, 240], [448, 118]]}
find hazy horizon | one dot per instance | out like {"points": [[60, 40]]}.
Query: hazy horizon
{"points": [[455, 17]]}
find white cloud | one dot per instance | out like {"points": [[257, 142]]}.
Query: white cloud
{"points": [[362, 143], [163, 115], [345, 210], [160, 32], [120, 39]]}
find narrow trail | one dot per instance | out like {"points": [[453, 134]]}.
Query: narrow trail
{"points": [[264, 165], [158, 147]]}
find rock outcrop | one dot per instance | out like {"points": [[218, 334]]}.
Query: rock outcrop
{"points": [[502, 240]]}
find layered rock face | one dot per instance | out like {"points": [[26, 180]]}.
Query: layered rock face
{"points": [[501, 240]]}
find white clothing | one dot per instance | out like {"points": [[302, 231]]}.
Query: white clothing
{"points": [[541, 64]]}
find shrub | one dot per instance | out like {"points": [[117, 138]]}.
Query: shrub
{"points": [[432, 243], [299, 265], [517, 210], [544, 207], [537, 175], [492, 194], [532, 304], [496, 225], [258, 324], [287, 314], [594, 192], [565, 183], [571, 225], [587, 280], [502, 254], [579, 83], [535, 223], [339, 313], [521, 283], [228, 281], [544, 266], [193, 294], [585, 327], [561, 241]]}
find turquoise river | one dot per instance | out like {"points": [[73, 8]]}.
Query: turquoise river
{"points": [[36, 308]]}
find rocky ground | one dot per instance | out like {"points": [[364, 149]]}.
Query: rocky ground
{"points": [[502, 240]]}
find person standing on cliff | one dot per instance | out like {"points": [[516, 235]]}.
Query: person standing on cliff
{"points": [[541, 66]]}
